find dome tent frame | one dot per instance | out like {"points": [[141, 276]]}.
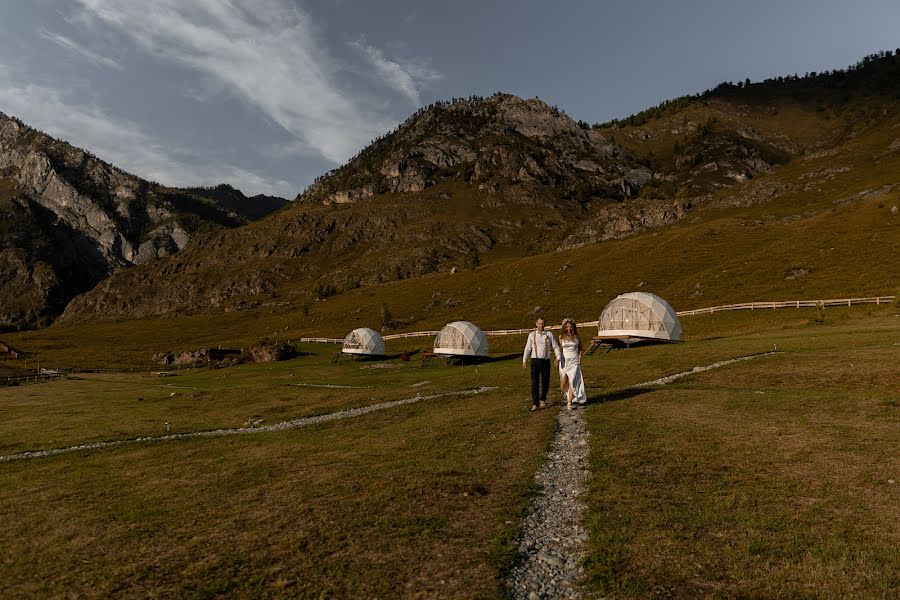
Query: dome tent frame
{"points": [[637, 318], [363, 342], [460, 339]]}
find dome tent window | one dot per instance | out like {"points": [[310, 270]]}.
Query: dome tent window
{"points": [[460, 338], [363, 342], [639, 317]]}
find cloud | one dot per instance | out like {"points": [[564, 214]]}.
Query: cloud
{"points": [[69, 44], [405, 79], [266, 52], [120, 141]]}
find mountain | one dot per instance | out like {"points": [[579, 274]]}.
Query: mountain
{"points": [[252, 208], [491, 185], [68, 220]]}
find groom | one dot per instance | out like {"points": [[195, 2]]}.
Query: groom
{"points": [[537, 348]]}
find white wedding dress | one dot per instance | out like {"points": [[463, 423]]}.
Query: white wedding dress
{"points": [[570, 366]]}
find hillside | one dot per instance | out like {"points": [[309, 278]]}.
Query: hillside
{"points": [[725, 185], [68, 220], [229, 198]]}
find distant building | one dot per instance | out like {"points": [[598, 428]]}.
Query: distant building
{"points": [[460, 339], [363, 342]]}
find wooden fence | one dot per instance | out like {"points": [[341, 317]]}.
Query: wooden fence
{"points": [[789, 304]]}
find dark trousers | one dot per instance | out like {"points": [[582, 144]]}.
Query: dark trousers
{"points": [[540, 379]]}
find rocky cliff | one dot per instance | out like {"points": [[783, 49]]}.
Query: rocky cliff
{"points": [[489, 143], [69, 220]]}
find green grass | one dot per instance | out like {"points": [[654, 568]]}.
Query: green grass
{"points": [[766, 478], [418, 500], [126, 405]]}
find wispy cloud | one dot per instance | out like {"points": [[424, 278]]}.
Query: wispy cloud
{"points": [[73, 46], [405, 78], [266, 52], [121, 141]]}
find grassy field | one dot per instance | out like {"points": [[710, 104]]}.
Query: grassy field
{"points": [[767, 477], [418, 500]]}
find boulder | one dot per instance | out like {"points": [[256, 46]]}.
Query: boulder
{"points": [[190, 357], [273, 352], [163, 358]]}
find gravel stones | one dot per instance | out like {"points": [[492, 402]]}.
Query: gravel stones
{"points": [[716, 365], [553, 539], [293, 424]]}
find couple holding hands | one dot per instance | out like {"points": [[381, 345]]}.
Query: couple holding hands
{"points": [[568, 352]]}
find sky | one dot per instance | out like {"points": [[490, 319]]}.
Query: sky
{"points": [[267, 94]]}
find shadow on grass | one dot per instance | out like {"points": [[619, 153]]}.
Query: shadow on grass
{"points": [[408, 354], [618, 395], [501, 358]]}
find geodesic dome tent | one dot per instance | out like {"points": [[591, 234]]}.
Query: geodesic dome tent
{"points": [[460, 338], [639, 316], [363, 341]]}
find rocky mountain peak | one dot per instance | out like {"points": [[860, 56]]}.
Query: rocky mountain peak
{"points": [[492, 142]]}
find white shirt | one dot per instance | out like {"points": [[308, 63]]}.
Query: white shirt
{"points": [[538, 345]]}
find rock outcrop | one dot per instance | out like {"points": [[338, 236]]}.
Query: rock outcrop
{"points": [[491, 142], [69, 220]]}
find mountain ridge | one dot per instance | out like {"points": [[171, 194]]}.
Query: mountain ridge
{"points": [[477, 181], [72, 219]]}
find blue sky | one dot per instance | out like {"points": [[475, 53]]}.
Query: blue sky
{"points": [[267, 94]]}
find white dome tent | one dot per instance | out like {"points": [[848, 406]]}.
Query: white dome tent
{"points": [[460, 339], [638, 317], [363, 342]]}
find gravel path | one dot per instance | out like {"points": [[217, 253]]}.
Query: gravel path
{"points": [[715, 365], [553, 538], [293, 424]]}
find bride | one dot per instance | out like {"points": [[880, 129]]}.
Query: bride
{"points": [[571, 381]]}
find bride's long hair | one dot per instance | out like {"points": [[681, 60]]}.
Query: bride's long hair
{"points": [[570, 336]]}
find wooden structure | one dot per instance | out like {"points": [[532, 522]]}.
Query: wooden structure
{"points": [[608, 344]]}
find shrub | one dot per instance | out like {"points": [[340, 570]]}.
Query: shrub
{"points": [[819, 318], [325, 290]]}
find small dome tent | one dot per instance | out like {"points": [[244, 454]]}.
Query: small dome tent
{"points": [[639, 317], [460, 338], [363, 342]]}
